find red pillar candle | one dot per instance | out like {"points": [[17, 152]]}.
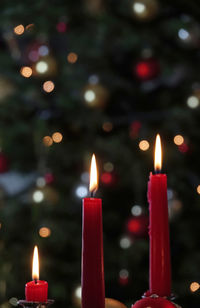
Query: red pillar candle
{"points": [[160, 267], [36, 290], [93, 290]]}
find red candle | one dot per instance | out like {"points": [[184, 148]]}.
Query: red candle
{"points": [[93, 290], [36, 290], [160, 266]]}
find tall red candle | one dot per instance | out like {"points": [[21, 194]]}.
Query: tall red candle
{"points": [[160, 265], [93, 289], [36, 290]]}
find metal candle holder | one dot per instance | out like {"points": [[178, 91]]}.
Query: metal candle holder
{"points": [[27, 304]]}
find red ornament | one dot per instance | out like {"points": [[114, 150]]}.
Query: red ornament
{"points": [[147, 69], [138, 226], [4, 164], [157, 302]]}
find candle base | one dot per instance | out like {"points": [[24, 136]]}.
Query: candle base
{"points": [[27, 304], [155, 301]]}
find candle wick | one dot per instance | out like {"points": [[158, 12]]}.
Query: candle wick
{"points": [[92, 193], [35, 281], [157, 171]]}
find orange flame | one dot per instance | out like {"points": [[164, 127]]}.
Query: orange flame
{"points": [[93, 175], [35, 267], [158, 155]]}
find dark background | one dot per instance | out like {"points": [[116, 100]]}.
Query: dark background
{"points": [[122, 71]]}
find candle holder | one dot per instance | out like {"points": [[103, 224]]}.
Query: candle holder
{"points": [[27, 304]]}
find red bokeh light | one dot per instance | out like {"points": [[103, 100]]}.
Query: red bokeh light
{"points": [[61, 27], [106, 178], [183, 148]]}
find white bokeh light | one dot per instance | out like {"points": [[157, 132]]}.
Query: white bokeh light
{"points": [[38, 196], [139, 8], [125, 242], [89, 96], [193, 102], [40, 182], [183, 34], [41, 67], [81, 191], [136, 210], [124, 273], [78, 292]]}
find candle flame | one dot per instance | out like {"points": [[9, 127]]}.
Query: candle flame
{"points": [[35, 267], [93, 175], [158, 155]]}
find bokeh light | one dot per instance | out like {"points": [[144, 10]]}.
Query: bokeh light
{"points": [[19, 30], [136, 210], [38, 196], [47, 141], [193, 102], [89, 96], [40, 182], [43, 50], [57, 137], [178, 140], [44, 232], [125, 242], [183, 34], [123, 273], [194, 286], [72, 57], [26, 71], [42, 67], [139, 8], [107, 126], [144, 145], [13, 301], [81, 191], [198, 189], [78, 292], [48, 86], [108, 166]]}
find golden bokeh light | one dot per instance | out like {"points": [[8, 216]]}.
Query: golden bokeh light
{"points": [[44, 232], [194, 286], [26, 71], [47, 141], [19, 30], [72, 57], [144, 145], [198, 189], [107, 127], [178, 140], [48, 86], [57, 137]]}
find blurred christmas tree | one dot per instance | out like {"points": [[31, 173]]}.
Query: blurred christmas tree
{"points": [[78, 77]]}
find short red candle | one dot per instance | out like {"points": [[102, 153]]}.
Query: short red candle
{"points": [[160, 265], [93, 289], [36, 290]]}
